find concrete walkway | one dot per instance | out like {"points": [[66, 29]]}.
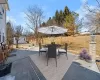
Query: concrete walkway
{"points": [[92, 66], [77, 72]]}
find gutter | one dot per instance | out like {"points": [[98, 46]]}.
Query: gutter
{"points": [[7, 5]]}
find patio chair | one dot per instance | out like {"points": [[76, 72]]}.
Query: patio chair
{"points": [[41, 49], [63, 51], [51, 53]]}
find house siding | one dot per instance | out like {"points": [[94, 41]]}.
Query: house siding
{"points": [[3, 24], [22, 40]]}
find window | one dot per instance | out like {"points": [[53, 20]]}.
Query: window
{"points": [[1, 15], [3, 38], [2, 10]]}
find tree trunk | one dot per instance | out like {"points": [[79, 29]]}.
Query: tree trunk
{"points": [[16, 43], [42, 40], [37, 34]]}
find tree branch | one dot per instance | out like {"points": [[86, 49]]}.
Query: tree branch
{"points": [[98, 2]]}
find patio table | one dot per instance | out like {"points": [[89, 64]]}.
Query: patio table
{"points": [[46, 45]]}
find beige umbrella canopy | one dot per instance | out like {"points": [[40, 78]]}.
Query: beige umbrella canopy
{"points": [[52, 30]]}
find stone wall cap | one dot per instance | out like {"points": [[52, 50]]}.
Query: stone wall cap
{"points": [[92, 42]]}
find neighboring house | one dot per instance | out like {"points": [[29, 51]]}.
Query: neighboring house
{"points": [[85, 33], [3, 8], [95, 30], [22, 40]]}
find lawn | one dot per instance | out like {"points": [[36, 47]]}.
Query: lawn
{"points": [[76, 44]]}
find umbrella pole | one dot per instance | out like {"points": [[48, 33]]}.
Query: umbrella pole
{"points": [[61, 39]]}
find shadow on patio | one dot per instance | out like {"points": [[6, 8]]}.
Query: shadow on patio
{"points": [[28, 65]]}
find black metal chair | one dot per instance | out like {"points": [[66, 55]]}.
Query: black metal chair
{"points": [[63, 51], [41, 49], [51, 53]]}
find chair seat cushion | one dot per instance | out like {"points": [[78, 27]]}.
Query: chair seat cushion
{"points": [[43, 49], [62, 50]]}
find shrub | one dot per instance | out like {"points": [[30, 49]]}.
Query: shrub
{"points": [[32, 44], [88, 57], [84, 55]]}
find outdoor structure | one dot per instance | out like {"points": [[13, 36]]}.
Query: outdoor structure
{"points": [[92, 46], [3, 8], [85, 33], [22, 40]]}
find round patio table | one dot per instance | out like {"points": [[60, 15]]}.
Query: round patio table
{"points": [[58, 45]]}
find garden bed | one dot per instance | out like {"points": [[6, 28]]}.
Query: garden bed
{"points": [[98, 64]]}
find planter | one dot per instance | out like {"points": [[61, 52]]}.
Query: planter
{"points": [[81, 58]]}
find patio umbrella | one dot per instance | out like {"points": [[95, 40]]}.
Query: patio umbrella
{"points": [[52, 30]]}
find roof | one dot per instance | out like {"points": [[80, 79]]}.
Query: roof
{"points": [[83, 33], [3, 1], [6, 3]]}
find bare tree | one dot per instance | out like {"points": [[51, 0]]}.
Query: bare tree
{"points": [[92, 16], [9, 33], [34, 16], [18, 32], [95, 10]]}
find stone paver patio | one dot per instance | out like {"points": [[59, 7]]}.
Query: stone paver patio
{"points": [[22, 68], [51, 72]]}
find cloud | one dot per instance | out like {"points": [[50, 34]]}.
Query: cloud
{"points": [[11, 19], [83, 10], [84, 13]]}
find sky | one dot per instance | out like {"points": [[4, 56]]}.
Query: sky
{"points": [[19, 7]]}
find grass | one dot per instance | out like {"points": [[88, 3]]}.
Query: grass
{"points": [[76, 44]]}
